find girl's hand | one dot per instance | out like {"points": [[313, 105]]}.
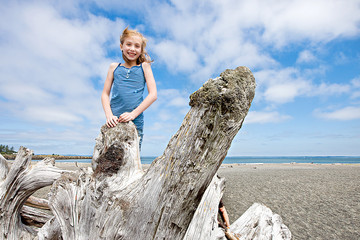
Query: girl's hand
{"points": [[126, 117], [111, 121]]}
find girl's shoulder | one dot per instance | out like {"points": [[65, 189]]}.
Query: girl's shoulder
{"points": [[146, 65], [114, 65]]}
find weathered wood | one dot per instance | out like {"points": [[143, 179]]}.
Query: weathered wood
{"points": [[21, 181], [204, 224], [50, 231], [115, 199], [258, 223], [36, 211], [4, 168], [37, 203], [125, 204], [35, 216]]}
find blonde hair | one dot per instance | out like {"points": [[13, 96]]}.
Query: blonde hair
{"points": [[144, 56]]}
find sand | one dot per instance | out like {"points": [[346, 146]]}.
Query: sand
{"points": [[315, 201]]}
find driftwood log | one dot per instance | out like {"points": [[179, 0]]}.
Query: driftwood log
{"points": [[17, 184], [176, 198]]}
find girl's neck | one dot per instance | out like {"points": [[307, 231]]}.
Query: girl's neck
{"points": [[129, 64]]}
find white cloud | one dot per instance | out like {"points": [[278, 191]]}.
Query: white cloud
{"points": [[356, 82], [283, 93], [341, 58], [168, 111], [180, 57], [305, 57], [281, 86], [49, 63], [355, 94], [265, 117], [203, 40], [207, 37], [179, 102], [321, 20], [171, 102], [284, 85], [330, 89], [51, 114], [344, 114]]}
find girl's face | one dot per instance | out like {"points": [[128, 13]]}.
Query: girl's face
{"points": [[132, 48]]}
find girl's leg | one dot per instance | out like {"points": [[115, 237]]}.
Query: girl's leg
{"points": [[139, 123], [141, 135]]}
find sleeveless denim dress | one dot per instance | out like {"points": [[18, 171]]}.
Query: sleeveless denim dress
{"points": [[127, 93]]}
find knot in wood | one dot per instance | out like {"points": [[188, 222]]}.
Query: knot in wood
{"points": [[110, 161]]}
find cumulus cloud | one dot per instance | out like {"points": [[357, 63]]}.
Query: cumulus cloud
{"points": [[179, 102], [51, 64], [356, 82], [53, 61], [330, 89], [204, 38], [281, 86], [180, 57], [213, 37], [168, 111], [321, 20], [283, 93], [344, 114], [171, 101], [231, 33], [305, 57], [265, 117]]}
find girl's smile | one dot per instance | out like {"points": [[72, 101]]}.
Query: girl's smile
{"points": [[132, 48]]}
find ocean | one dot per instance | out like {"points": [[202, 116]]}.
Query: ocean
{"points": [[259, 160]]}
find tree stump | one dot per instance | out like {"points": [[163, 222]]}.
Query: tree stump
{"points": [[116, 199]]}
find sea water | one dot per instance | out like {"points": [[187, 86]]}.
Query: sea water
{"points": [[258, 160]]}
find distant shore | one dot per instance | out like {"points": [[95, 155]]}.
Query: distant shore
{"points": [[41, 157], [227, 160]]}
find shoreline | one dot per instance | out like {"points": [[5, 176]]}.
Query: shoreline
{"points": [[42, 156], [227, 160]]}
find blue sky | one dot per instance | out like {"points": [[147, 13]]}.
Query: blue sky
{"points": [[304, 54]]}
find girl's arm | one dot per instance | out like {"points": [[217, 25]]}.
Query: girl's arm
{"points": [[150, 98], [111, 120]]}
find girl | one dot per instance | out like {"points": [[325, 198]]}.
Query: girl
{"points": [[127, 81]]}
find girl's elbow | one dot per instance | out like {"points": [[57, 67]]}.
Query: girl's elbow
{"points": [[154, 97], [104, 97]]}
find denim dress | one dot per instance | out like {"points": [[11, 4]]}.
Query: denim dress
{"points": [[127, 93]]}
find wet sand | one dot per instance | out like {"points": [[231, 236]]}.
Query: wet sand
{"points": [[315, 201]]}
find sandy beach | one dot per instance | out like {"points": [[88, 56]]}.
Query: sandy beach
{"points": [[316, 201]]}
